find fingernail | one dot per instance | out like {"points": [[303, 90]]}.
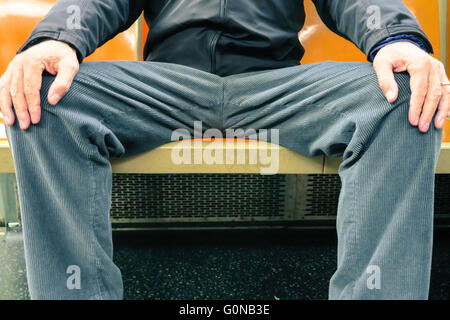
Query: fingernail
{"points": [[33, 118], [23, 124], [35, 115], [424, 126], [390, 95], [441, 121]]}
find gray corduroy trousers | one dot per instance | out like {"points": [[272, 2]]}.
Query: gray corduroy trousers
{"points": [[385, 210]]}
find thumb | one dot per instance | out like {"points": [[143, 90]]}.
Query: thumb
{"points": [[386, 80], [66, 71]]}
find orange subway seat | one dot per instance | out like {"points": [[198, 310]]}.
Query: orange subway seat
{"points": [[446, 136]]}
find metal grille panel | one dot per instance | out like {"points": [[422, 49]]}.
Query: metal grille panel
{"points": [[236, 197], [197, 197], [321, 192]]}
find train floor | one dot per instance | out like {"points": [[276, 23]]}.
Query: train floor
{"points": [[242, 264]]}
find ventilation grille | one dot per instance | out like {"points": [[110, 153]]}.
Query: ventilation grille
{"points": [[321, 195], [236, 197], [198, 197]]}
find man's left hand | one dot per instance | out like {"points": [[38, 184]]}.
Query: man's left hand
{"points": [[428, 93]]}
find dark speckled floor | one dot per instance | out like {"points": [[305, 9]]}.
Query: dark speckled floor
{"points": [[249, 264]]}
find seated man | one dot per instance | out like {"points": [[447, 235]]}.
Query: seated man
{"points": [[229, 64]]}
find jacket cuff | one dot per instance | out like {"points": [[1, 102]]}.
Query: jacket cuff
{"points": [[72, 39], [379, 35], [398, 38]]}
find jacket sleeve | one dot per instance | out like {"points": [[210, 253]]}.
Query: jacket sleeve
{"points": [[366, 23], [85, 24]]}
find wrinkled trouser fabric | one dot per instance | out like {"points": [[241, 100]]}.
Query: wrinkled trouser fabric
{"points": [[116, 109]]}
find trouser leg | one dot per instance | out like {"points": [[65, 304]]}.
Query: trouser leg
{"points": [[385, 211], [64, 174]]}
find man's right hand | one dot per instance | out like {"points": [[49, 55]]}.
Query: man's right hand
{"points": [[21, 83]]}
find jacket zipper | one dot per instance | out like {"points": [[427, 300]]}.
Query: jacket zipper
{"points": [[216, 36], [213, 51]]}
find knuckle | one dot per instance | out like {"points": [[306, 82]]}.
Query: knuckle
{"points": [[421, 94], [435, 63], [20, 114], [433, 99], [446, 108], [32, 109], [5, 81], [429, 60], [446, 91], [27, 90], [436, 92], [72, 68], [17, 60], [75, 67], [427, 119], [384, 84], [62, 87], [423, 64], [4, 108], [427, 114], [14, 91], [419, 84]]}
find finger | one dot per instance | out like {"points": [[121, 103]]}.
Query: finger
{"points": [[386, 80], [63, 81], [6, 100], [32, 80], [6, 107], [444, 105], [419, 85], [434, 94], [444, 108], [18, 97]]}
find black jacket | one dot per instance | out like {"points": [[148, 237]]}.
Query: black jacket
{"points": [[221, 36]]}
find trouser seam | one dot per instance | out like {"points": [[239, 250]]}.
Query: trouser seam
{"points": [[97, 264], [100, 285], [354, 247]]}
